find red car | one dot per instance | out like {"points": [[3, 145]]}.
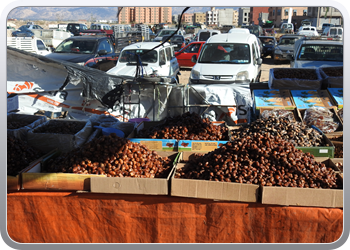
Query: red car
{"points": [[184, 55]]}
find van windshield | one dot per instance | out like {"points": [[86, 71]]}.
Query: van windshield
{"points": [[316, 52], [130, 56], [232, 53]]}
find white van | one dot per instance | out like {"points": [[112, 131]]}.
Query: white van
{"points": [[228, 58], [335, 32], [160, 62], [203, 35], [239, 30]]}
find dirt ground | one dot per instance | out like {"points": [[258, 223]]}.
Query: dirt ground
{"points": [[265, 70]]}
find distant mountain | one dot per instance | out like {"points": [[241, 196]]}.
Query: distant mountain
{"points": [[83, 13]]}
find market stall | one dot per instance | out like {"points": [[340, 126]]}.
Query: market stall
{"points": [[188, 177]]}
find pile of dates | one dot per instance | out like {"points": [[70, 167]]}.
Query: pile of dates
{"points": [[333, 71], [322, 118], [60, 127], [114, 157], [299, 134], [278, 113], [19, 155], [17, 124], [306, 74], [261, 159], [188, 126], [338, 151]]}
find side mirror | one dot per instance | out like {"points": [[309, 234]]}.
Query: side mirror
{"points": [[259, 61], [194, 59], [102, 52], [162, 63], [290, 57]]}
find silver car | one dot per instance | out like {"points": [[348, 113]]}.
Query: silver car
{"points": [[285, 48]]}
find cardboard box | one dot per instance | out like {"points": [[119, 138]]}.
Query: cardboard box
{"points": [[337, 95], [332, 81], [272, 99], [211, 189], [199, 146], [125, 185], [294, 83], [35, 178], [305, 99], [15, 182], [290, 196]]}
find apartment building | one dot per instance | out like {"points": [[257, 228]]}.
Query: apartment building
{"points": [[146, 15], [254, 14], [199, 17], [225, 17], [187, 18], [320, 15], [280, 15], [212, 16], [243, 16]]}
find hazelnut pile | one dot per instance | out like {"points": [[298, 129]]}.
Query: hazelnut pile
{"points": [[114, 157], [17, 124], [19, 155], [188, 126], [260, 159], [299, 134], [60, 127]]}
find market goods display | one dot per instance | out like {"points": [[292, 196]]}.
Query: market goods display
{"points": [[340, 113], [333, 71], [321, 118], [188, 126], [114, 157], [277, 113], [19, 155], [338, 150], [299, 134], [17, 124], [339, 165], [60, 127], [260, 159], [307, 74]]}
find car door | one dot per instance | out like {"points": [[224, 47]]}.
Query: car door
{"points": [[107, 61], [184, 58], [164, 64]]}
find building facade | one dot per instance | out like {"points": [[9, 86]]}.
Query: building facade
{"points": [[199, 17], [280, 15], [146, 15], [187, 18], [225, 17], [243, 16], [320, 15], [254, 14], [212, 17], [235, 18]]}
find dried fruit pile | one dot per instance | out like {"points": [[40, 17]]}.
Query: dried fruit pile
{"points": [[19, 155], [60, 127], [338, 151], [261, 159], [114, 157], [306, 74], [17, 124], [277, 113], [297, 133], [333, 71], [322, 118], [188, 126]]}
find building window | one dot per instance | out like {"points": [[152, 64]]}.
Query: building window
{"points": [[278, 12], [245, 19], [273, 13], [245, 14], [304, 12], [294, 12], [286, 12]]}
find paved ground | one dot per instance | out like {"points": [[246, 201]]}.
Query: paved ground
{"points": [[265, 70]]}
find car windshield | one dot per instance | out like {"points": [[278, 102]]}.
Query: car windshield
{"points": [[233, 53], [130, 56], [166, 32], [76, 46], [318, 52], [286, 41], [174, 39]]}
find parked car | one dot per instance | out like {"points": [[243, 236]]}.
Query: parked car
{"points": [[308, 31], [227, 58], [29, 44], [185, 55], [177, 40], [22, 32], [314, 53], [92, 51], [76, 28], [160, 61], [336, 32], [255, 30], [285, 47], [204, 34], [325, 25], [165, 32], [268, 43]]}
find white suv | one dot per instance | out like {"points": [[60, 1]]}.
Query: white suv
{"points": [[160, 62], [228, 58]]}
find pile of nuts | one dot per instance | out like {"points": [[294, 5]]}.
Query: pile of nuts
{"points": [[307, 74], [114, 157], [17, 124], [19, 155], [60, 127], [188, 126], [338, 151], [260, 159], [297, 133], [339, 165]]}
